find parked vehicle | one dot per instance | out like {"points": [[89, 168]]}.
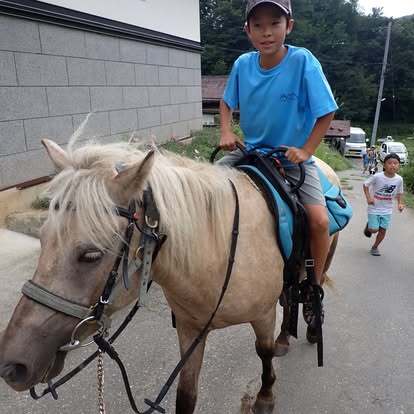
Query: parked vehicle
{"points": [[399, 148], [356, 143]]}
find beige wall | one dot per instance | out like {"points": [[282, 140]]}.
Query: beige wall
{"points": [[175, 17]]}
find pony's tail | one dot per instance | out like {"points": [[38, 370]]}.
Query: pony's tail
{"points": [[328, 282]]}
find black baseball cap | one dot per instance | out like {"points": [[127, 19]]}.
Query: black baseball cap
{"points": [[282, 4], [394, 156]]}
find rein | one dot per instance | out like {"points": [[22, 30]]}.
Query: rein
{"points": [[151, 242]]}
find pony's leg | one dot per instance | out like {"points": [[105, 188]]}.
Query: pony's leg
{"points": [[265, 346], [188, 382], [282, 341]]}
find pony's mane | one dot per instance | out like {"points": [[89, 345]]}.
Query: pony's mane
{"points": [[193, 199]]}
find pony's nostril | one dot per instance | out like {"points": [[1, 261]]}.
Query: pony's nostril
{"points": [[14, 372]]}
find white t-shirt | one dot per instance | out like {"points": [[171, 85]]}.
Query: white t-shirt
{"points": [[384, 189]]}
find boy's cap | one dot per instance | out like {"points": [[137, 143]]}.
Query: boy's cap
{"points": [[394, 156], [283, 4]]}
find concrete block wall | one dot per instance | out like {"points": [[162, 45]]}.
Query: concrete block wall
{"points": [[51, 77]]}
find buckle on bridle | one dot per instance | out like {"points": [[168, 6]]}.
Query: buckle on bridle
{"points": [[151, 224]]}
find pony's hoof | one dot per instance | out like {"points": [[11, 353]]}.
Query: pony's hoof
{"points": [[281, 349], [311, 335], [262, 406]]}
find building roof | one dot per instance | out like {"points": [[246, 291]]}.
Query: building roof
{"points": [[213, 87], [339, 129]]}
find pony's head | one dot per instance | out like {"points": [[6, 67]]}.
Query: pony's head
{"points": [[84, 234], [79, 244]]}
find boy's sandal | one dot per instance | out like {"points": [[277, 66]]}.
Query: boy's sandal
{"points": [[309, 309]]}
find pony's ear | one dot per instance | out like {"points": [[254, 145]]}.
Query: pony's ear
{"points": [[134, 175], [57, 154]]}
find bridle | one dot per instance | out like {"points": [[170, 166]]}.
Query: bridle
{"points": [[150, 244]]}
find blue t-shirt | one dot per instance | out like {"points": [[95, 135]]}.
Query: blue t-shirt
{"points": [[279, 106]]}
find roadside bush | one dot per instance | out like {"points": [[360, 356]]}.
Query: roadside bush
{"points": [[332, 158], [408, 175]]}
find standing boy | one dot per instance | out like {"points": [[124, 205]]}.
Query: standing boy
{"points": [[380, 190], [284, 99], [364, 160]]}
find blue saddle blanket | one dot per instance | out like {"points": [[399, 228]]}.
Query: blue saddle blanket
{"points": [[339, 209]]}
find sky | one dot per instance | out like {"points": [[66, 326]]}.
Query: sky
{"points": [[391, 8]]}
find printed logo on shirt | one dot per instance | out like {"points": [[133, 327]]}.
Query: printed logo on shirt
{"points": [[385, 192], [286, 97]]}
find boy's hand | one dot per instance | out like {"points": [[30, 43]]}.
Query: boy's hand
{"points": [[297, 155], [370, 200], [401, 207], [228, 141]]}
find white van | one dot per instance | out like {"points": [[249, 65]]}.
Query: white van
{"points": [[398, 148], [356, 143]]}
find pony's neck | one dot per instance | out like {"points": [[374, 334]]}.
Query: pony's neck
{"points": [[196, 205]]}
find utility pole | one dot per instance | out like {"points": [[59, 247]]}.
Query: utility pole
{"points": [[381, 87]]}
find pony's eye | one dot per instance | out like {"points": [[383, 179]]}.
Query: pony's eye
{"points": [[90, 256]]}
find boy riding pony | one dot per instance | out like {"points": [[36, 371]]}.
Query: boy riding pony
{"points": [[284, 99]]}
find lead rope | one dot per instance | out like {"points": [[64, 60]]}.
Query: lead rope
{"points": [[101, 383]]}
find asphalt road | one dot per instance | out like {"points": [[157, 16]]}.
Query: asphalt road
{"points": [[369, 337]]}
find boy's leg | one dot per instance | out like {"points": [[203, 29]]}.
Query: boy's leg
{"points": [[313, 200], [384, 222], [380, 237], [319, 237], [230, 158]]}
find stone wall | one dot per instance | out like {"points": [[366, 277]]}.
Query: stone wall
{"points": [[51, 77]]}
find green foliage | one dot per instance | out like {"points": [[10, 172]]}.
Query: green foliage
{"points": [[332, 158], [199, 147], [349, 45], [408, 174], [40, 203]]}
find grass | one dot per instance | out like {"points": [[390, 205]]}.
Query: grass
{"points": [[40, 203], [409, 199], [199, 147], [333, 158]]}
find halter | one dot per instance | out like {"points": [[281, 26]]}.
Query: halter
{"points": [[151, 242]]}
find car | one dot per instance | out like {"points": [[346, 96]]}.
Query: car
{"points": [[355, 145], [398, 148]]}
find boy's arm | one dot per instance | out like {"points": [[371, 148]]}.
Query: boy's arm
{"points": [[228, 137], [368, 196], [400, 201], [297, 155]]}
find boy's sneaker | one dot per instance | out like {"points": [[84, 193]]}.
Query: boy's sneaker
{"points": [[375, 252], [366, 231]]}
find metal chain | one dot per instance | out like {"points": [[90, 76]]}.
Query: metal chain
{"points": [[101, 383]]}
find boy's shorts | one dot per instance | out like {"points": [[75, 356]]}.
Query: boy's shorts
{"points": [[309, 193], [376, 221]]}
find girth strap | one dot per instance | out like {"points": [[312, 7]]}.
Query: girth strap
{"points": [[51, 300]]}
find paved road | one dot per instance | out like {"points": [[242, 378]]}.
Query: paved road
{"points": [[369, 336]]}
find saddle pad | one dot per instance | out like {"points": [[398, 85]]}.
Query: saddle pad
{"points": [[285, 225], [339, 208]]}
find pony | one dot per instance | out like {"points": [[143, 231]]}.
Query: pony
{"points": [[82, 235]]}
